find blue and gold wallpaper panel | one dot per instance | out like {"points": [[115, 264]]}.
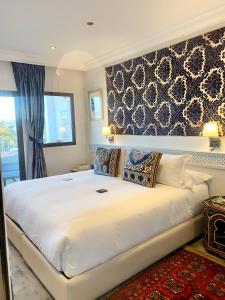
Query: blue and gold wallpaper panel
{"points": [[172, 91]]}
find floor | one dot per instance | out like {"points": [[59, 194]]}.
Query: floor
{"points": [[26, 286], [198, 248]]}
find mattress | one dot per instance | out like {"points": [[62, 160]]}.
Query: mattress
{"points": [[76, 228]]}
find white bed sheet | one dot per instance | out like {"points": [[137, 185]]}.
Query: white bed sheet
{"points": [[77, 229]]}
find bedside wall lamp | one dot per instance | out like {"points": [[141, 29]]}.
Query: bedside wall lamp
{"points": [[211, 130], [107, 133]]}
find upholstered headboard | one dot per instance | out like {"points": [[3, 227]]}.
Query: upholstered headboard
{"points": [[212, 163]]}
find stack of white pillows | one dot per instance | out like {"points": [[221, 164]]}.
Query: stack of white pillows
{"points": [[173, 171]]}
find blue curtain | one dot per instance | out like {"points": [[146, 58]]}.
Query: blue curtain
{"points": [[30, 80]]}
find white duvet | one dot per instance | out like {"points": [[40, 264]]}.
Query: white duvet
{"points": [[77, 228]]}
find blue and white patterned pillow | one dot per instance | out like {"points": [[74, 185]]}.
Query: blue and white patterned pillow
{"points": [[107, 161], [141, 167]]}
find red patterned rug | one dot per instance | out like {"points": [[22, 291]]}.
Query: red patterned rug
{"points": [[185, 275]]}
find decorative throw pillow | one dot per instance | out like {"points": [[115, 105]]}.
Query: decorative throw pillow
{"points": [[107, 161], [141, 168]]}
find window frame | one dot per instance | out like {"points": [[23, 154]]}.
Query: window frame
{"points": [[19, 130], [59, 144]]}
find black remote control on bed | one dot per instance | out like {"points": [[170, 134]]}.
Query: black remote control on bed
{"points": [[101, 191]]}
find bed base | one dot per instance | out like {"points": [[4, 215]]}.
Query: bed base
{"points": [[97, 281]]}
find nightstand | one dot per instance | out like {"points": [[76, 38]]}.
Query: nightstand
{"points": [[214, 225], [74, 170], [80, 168]]}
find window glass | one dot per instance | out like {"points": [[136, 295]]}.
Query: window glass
{"points": [[8, 140]]}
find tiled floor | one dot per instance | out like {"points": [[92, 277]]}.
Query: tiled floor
{"points": [[26, 286]]}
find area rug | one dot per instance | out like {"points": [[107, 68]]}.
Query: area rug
{"points": [[185, 275], [198, 248]]}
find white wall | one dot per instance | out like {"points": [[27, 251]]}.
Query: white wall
{"points": [[95, 79], [60, 159], [7, 81]]}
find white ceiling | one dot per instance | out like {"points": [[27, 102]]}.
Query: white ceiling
{"points": [[123, 28]]}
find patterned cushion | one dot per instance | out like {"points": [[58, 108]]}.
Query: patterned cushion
{"points": [[107, 161], [141, 168]]}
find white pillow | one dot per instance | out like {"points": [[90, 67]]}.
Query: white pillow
{"points": [[171, 169], [195, 178]]}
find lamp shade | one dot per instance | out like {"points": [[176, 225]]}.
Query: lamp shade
{"points": [[106, 131], [210, 129]]}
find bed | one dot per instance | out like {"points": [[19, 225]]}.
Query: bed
{"points": [[81, 243]]}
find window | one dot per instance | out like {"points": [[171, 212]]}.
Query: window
{"points": [[59, 127], [11, 138]]}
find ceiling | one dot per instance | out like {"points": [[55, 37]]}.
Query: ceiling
{"points": [[122, 29]]}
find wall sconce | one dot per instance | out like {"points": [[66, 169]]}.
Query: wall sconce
{"points": [[211, 130], [107, 133]]}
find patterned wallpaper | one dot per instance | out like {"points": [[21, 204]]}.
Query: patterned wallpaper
{"points": [[172, 91]]}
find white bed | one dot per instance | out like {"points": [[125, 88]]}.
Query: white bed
{"points": [[81, 232]]}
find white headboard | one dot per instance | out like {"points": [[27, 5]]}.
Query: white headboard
{"points": [[212, 163]]}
